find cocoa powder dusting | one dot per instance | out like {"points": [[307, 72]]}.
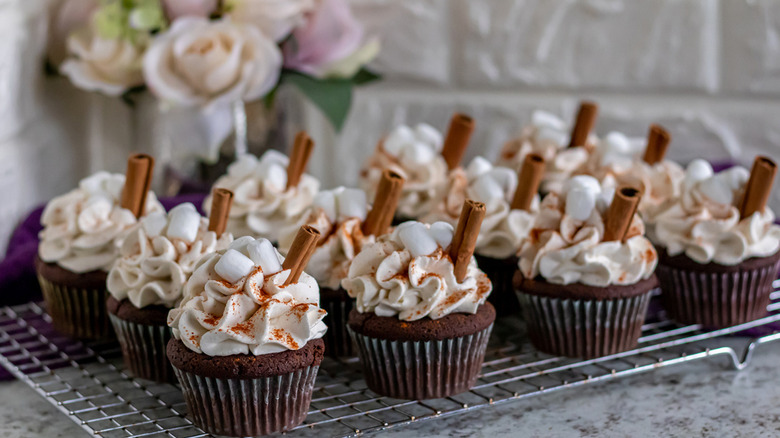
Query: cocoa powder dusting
{"points": [[279, 335]]}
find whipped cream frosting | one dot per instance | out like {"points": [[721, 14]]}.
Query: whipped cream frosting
{"points": [[415, 154], [236, 303], [548, 136], [409, 274], [338, 215], [82, 229], [262, 204], [159, 254], [503, 230], [565, 245], [704, 223]]}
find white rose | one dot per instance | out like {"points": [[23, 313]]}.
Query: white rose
{"points": [[202, 62], [109, 66], [275, 18]]}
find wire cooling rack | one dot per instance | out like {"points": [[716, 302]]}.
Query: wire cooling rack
{"points": [[87, 382]]}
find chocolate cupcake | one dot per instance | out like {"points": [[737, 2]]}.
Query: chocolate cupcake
{"points": [[719, 246], [156, 259], [247, 345], [82, 231], [510, 212], [586, 272], [420, 321]]}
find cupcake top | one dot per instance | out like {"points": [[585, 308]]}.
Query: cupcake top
{"points": [[338, 215], [262, 203], [159, 254], [409, 274], [504, 228], [704, 222], [236, 302], [415, 154], [83, 228], [567, 243], [548, 136]]}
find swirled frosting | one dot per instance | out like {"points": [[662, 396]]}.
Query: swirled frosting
{"points": [[414, 154], [704, 224], [236, 303], [338, 215], [566, 244], [548, 136], [262, 204], [159, 254], [83, 228], [503, 230], [408, 273]]}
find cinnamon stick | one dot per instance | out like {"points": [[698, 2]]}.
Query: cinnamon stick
{"points": [[621, 214], [300, 252], [586, 119], [658, 140], [299, 158], [138, 178], [759, 186], [458, 136], [388, 193], [528, 181], [221, 201], [465, 238]]}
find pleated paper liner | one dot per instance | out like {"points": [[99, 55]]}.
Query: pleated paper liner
{"points": [[419, 370], [338, 304], [501, 272], [143, 349], [717, 299], [584, 328], [78, 313]]}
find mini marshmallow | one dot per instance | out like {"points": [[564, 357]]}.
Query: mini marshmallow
{"points": [[541, 118], [604, 199], [584, 182], [478, 166], [417, 240], [243, 166], [241, 243], [698, 170], [400, 137], [352, 203], [183, 223], [233, 266], [544, 133], [326, 200], [441, 233], [580, 203], [154, 223], [94, 184], [717, 190], [736, 177], [429, 135], [507, 178], [617, 143], [263, 254], [417, 152], [273, 175], [272, 156], [486, 189]]}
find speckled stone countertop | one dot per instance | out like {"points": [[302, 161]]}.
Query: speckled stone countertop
{"points": [[703, 399]]}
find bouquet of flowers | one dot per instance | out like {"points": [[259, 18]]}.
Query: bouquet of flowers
{"points": [[211, 54]]}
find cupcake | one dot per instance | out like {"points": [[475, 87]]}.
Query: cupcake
{"points": [[422, 159], [156, 259], [420, 321], [564, 150], [586, 272], [247, 335], [510, 213], [718, 245], [345, 223], [270, 192], [82, 231]]}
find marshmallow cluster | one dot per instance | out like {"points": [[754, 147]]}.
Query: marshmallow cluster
{"points": [[421, 239], [584, 194], [342, 203], [236, 264], [420, 144]]}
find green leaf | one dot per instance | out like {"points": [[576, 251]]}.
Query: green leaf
{"points": [[332, 96], [364, 76]]}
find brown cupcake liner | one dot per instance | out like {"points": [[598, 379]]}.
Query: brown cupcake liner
{"points": [[716, 299], [338, 343], [501, 272], [584, 328], [248, 407], [144, 349], [419, 370], [77, 312]]}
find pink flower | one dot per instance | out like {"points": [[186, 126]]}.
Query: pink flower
{"points": [[66, 17], [330, 43], [188, 8]]}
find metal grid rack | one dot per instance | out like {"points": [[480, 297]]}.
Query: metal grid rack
{"points": [[88, 384]]}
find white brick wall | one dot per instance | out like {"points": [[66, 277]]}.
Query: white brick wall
{"points": [[708, 70]]}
